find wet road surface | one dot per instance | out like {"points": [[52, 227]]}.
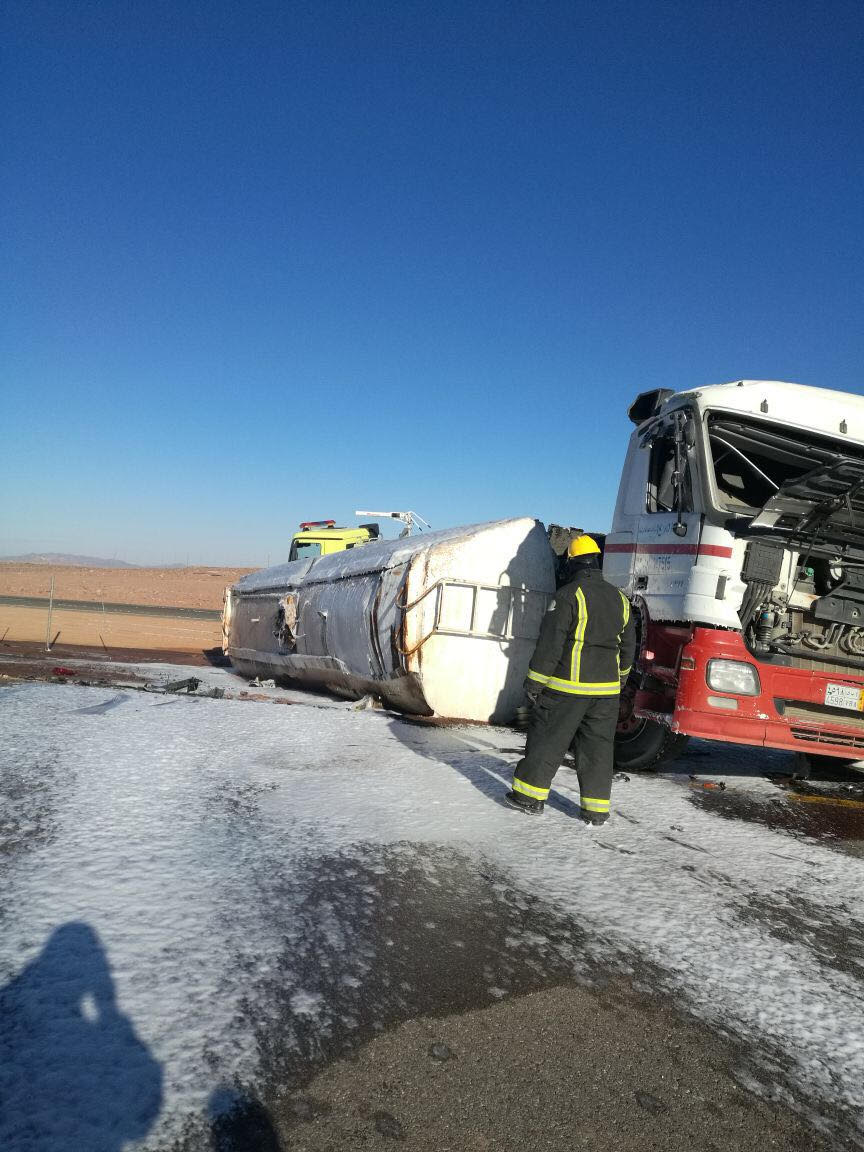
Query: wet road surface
{"points": [[830, 809]]}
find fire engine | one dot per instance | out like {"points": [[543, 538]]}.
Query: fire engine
{"points": [[323, 537]]}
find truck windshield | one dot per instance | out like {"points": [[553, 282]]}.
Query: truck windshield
{"points": [[304, 549], [752, 458]]}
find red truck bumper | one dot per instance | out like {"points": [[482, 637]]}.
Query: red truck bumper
{"points": [[790, 711]]}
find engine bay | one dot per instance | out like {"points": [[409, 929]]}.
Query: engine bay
{"points": [[807, 605]]}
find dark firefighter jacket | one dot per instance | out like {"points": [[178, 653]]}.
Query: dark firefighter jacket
{"points": [[587, 639]]}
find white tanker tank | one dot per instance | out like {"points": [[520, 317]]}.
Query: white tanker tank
{"points": [[442, 624]]}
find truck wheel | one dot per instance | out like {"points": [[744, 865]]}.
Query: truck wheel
{"points": [[813, 762], [644, 744]]}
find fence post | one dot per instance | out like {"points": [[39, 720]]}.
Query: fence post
{"points": [[50, 610]]}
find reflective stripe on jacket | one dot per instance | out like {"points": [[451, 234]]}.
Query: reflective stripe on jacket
{"points": [[587, 639]]}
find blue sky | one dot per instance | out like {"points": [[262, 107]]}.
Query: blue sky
{"points": [[266, 262]]}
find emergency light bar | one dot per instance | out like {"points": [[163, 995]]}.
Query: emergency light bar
{"points": [[317, 524]]}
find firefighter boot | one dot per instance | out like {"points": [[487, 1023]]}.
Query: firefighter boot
{"points": [[593, 819], [524, 804]]}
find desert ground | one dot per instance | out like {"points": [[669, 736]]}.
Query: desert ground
{"points": [[87, 613], [163, 587]]}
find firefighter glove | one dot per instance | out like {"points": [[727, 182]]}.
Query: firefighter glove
{"points": [[532, 690]]}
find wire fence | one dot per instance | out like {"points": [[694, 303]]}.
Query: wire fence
{"points": [[95, 625]]}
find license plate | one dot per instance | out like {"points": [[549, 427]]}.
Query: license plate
{"points": [[844, 696]]}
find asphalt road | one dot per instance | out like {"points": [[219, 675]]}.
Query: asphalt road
{"points": [[109, 608], [608, 1063]]}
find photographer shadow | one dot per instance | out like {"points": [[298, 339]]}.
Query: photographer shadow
{"points": [[73, 1072]]}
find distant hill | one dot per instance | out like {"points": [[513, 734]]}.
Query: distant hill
{"points": [[63, 559]]}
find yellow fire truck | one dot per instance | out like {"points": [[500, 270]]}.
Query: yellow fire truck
{"points": [[322, 537]]}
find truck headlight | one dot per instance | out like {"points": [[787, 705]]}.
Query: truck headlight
{"points": [[733, 676]]}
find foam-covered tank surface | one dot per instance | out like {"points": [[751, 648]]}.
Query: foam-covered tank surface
{"points": [[370, 558], [441, 623]]}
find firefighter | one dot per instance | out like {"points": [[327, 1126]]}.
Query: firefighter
{"points": [[586, 646]]}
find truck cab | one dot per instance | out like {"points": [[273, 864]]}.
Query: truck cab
{"points": [[739, 535], [323, 537]]}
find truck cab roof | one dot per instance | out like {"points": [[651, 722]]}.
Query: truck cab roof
{"points": [[335, 533], [322, 537], [819, 410]]}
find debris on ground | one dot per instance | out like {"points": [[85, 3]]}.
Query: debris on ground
{"points": [[708, 785], [189, 684], [366, 702], [256, 683]]}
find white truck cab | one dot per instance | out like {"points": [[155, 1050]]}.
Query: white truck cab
{"points": [[739, 534]]}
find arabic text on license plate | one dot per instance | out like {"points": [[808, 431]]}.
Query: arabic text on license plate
{"points": [[844, 696]]}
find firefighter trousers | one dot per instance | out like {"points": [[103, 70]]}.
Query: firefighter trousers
{"points": [[558, 722]]}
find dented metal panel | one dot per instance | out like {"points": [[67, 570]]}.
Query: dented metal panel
{"points": [[439, 624]]}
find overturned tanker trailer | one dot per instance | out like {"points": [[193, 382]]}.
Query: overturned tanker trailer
{"points": [[441, 624]]}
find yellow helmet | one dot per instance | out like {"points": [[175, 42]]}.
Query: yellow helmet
{"points": [[583, 546]]}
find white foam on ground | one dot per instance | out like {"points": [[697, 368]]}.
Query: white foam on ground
{"points": [[154, 821]]}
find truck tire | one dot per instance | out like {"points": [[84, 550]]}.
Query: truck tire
{"points": [[644, 745], [817, 763]]}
